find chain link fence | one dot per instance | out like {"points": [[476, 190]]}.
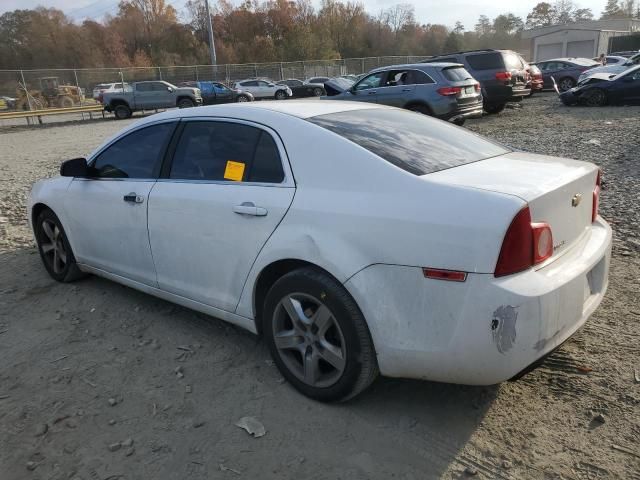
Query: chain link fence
{"points": [[55, 88]]}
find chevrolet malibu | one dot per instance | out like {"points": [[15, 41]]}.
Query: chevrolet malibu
{"points": [[356, 238]]}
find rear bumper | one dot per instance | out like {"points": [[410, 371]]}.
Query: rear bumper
{"points": [[485, 330], [497, 94], [465, 111]]}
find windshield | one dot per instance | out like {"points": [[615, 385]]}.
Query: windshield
{"points": [[411, 141], [631, 71]]}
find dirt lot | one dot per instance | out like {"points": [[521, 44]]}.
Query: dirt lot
{"points": [[90, 384]]}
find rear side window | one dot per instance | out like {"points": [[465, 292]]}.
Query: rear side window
{"points": [[220, 151], [411, 141], [513, 61], [456, 74], [137, 155], [486, 61]]}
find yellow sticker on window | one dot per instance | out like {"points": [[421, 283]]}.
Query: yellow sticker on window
{"points": [[234, 171]]}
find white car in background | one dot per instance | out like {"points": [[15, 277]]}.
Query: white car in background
{"points": [[103, 88], [263, 89], [614, 69], [357, 238]]}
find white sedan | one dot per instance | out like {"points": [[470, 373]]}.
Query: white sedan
{"points": [[356, 238]]}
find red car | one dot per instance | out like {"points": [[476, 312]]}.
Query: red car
{"points": [[535, 78]]}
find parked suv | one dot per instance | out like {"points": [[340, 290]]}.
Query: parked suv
{"points": [[263, 89], [443, 90], [502, 75]]}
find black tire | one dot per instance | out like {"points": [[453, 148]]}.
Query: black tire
{"points": [[359, 367], [51, 243], [566, 83], [420, 108], [122, 112], [281, 95], [459, 121], [243, 98], [186, 103], [493, 108], [594, 98], [317, 92]]}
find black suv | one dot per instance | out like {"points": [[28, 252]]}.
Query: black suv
{"points": [[502, 75]]}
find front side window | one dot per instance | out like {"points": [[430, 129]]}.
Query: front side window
{"points": [[137, 155], [423, 145], [226, 151], [144, 87], [372, 81]]}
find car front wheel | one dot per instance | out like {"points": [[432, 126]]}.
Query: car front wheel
{"points": [[318, 337], [186, 103], [54, 248], [595, 98], [317, 92], [281, 95]]}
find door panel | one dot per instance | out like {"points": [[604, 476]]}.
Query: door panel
{"points": [[109, 232], [203, 249]]}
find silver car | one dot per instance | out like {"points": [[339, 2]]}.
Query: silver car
{"points": [[263, 89]]}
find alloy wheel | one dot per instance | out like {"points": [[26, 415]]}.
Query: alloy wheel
{"points": [[52, 246], [566, 84], [309, 340]]}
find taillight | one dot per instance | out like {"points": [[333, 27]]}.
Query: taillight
{"points": [[542, 242], [503, 76], [596, 197], [449, 91], [477, 86], [525, 244]]}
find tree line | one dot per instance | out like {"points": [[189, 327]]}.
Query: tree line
{"points": [[152, 32]]}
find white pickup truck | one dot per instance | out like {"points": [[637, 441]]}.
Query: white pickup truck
{"points": [[150, 96]]}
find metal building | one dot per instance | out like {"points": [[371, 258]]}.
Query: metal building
{"points": [[584, 39]]}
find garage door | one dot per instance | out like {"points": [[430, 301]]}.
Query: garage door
{"points": [[585, 49], [549, 51]]}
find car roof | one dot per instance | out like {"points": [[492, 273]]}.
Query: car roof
{"points": [[302, 109], [577, 60], [418, 66]]}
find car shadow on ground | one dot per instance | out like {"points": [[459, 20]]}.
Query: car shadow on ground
{"points": [[93, 340]]}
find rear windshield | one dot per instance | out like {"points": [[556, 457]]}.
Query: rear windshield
{"points": [[513, 61], [456, 74], [411, 141], [486, 61]]}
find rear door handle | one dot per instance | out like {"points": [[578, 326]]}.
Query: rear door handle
{"points": [[133, 198], [406, 89], [372, 93], [249, 208]]}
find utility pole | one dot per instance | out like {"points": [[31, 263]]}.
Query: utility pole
{"points": [[212, 46]]}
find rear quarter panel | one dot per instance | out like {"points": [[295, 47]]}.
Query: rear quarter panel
{"points": [[352, 209]]}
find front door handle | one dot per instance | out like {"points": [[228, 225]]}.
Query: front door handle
{"points": [[249, 208], [372, 93], [133, 198]]}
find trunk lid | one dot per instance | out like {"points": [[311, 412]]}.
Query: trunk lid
{"points": [[559, 191]]}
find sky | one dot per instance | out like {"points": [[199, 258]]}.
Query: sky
{"points": [[430, 11]]}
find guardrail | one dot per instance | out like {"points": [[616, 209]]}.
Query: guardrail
{"points": [[29, 114]]}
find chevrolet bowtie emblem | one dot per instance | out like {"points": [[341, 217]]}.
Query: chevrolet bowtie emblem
{"points": [[575, 201]]}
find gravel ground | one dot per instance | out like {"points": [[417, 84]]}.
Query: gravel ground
{"points": [[98, 381]]}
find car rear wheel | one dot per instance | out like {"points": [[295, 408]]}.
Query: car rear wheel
{"points": [[566, 83], [186, 103], [54, 248], [318, 337], [122, 112], [317, 92], [281, 95], [459, 121], [493, 108], [595, 98]]}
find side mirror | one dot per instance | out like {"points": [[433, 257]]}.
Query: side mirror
{"points": [[76, 167], [169, 89]]}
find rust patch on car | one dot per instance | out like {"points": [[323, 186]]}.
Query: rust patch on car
{"points": [[503, 327]]}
